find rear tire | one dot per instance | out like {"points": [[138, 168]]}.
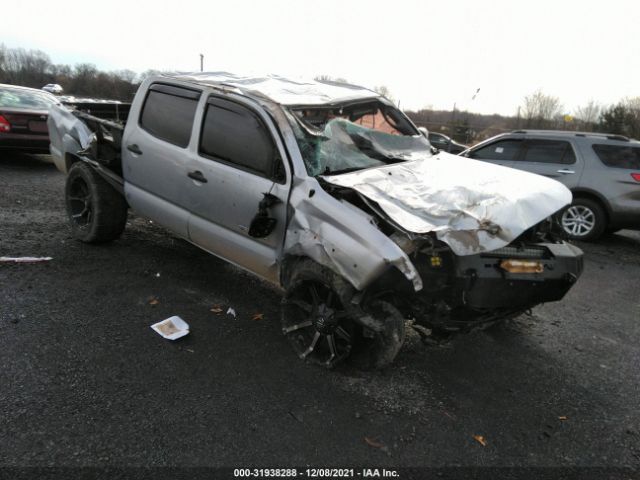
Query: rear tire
{"points": [[584, 220], [97, 212]]}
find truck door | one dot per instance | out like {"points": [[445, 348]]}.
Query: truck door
{"points": [[155, 154], [555, 159], [238, 159]]}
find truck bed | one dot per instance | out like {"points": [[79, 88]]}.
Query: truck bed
{"points": [[92, 132], [105, 146]]}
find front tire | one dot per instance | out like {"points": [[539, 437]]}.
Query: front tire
{"points": [[584, 220], [321, 324], [97, 212]]}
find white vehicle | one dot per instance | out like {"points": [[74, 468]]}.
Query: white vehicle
{"points": [[53, 88]]}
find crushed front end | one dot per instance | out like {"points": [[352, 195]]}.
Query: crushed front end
{"points": [[479, 238], [464, 292]]}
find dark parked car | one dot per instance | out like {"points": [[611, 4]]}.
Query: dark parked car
{"points": [[601, 170], [446, 144], [23, 118]]}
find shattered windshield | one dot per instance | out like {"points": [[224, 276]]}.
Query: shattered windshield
{"points": [[353, 137]]}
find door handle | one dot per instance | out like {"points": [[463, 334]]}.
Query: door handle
{"points": [[565, 171], [197, 176], [134, 148]]}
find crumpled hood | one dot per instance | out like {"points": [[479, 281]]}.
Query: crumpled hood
{"points": [[471, 205]]}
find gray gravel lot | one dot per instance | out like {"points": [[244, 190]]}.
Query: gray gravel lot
{"points": [[86, 382]]}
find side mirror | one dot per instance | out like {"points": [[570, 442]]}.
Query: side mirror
{"points": [[424, 131]]}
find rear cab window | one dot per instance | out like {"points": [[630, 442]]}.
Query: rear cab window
{"points": [[235, 135], [168, 113], [619, 156]]}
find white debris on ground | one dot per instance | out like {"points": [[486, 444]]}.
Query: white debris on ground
{"points": [[172, 328], [231, 312], [24, 259]]}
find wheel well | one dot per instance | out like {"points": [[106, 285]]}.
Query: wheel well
{"points": [[287, 265], [595, 198], [69, 160]]}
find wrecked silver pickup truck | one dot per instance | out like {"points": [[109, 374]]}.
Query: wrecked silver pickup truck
{"points": [[330, 192]]}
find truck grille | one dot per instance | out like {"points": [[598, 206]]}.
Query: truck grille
{"points": [[516, 252]]}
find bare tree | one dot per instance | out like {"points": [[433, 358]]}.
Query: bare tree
{"points": [[633, 118], [540, 110], [148, 73], [3, 57], [384, 91], [587, 115]]}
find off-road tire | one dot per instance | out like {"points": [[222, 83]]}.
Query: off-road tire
{"points": [[97, 212], [381, 350], [370, 349]]}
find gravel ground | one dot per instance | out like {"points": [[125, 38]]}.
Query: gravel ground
{"points": [[86, 382]]}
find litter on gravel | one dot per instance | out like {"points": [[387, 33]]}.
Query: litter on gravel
{"points": [[172, 328], [480, 439], [24, 259], [231, 312]]}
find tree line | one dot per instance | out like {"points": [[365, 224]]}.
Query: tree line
{"points": [[537, 111], [34, 68]]}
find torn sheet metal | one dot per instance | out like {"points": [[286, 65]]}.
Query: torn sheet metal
{"points": [[283, 90], [471, 205], [67, 133], [343, 238], [63, 121]]}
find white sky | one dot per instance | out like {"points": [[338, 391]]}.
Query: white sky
{"points": [[428, 53]]}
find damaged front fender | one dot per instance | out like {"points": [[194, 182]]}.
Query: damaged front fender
{"points": [[342, 237]]}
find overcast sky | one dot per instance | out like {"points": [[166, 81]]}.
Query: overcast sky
{"points": [[428, 53]]}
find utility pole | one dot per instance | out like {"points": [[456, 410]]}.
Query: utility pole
{"points": [[453, 120], [468, 126], [201, 62]]}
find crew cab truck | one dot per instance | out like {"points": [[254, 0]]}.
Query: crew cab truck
{"points": [[328, 191]]}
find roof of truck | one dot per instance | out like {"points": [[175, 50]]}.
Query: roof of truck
{"points": [[283, 90]]}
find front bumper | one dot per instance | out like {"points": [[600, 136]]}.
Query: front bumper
{"points": [[482, 284]]}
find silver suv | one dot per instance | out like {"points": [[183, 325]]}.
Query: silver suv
{"points": [[601, 170]]}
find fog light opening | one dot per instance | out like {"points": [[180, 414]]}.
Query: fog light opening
{"points": [[522, 266]]}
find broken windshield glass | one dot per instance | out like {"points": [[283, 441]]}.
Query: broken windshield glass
{"points": [[331, 143]]}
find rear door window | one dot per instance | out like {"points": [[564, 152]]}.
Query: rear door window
{"points": [[618, 156], [548, 151], [168, 113], [500, 150], [234, 134]]}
